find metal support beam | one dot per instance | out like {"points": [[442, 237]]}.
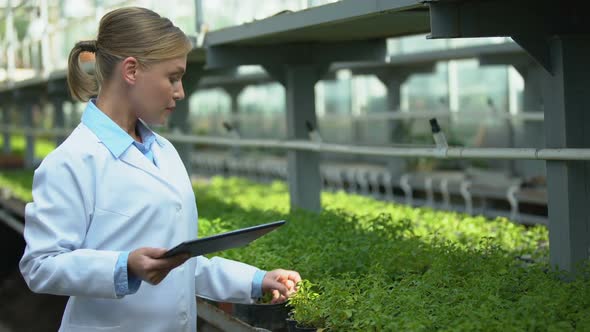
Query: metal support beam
{"points": [[393, 81], [567, 125], [533, 132], [393, 78], [27, 99], [7, 108], [538, 48], [59, 121], [494, 18], [234, 92], [298, 66], [199, 16], [541, 27], [303, 53], [58, 94], [11, 40], [530, 133], [27, 110], [179, 119], [45, 48], [303, 166]]}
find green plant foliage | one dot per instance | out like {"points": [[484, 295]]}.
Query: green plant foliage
{"points": [[18, 145], [17, 183], [377, 266], [305, 302]]}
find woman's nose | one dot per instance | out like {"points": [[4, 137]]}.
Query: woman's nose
{"points": [[179, 93]]}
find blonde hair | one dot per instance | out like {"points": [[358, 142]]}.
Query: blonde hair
{"points": [[125, 32]]}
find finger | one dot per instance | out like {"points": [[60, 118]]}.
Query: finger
{"points": [[158, 276], [178, 260], [153, 252], [153, 279], [275, 296], [280, 299], [169, 263], [294, 275], [281, 288], [289, 284]]}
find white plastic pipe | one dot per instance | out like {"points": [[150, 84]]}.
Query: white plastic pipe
{"points": [[399, 151]]}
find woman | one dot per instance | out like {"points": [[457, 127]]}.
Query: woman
{"points": [[110, 200]]}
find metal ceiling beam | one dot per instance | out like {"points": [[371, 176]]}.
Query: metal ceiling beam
{"points": [[493, 18], [295, 53], [343, 20]]}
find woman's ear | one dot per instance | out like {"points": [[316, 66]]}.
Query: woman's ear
{"points": [[129, 68]]}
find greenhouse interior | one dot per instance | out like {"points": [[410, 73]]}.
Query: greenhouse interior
{"points": [[430, 160]]}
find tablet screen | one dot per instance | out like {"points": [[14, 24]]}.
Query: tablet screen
{"points": [[223, 241]]}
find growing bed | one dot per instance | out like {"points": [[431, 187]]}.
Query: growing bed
{"points": [[371, 265]]}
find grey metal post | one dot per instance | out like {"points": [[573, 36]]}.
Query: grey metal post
{"points": [[11, 39], [179, 122], [46, 57], [298, 66], [303, 166], [59, 121], [393, 81], [234, 92], [198, 15], [28, 105], [533, 135], [58, 94], [26, 99], [6, 114], [179, 119], [567, 124], [357, 125]]}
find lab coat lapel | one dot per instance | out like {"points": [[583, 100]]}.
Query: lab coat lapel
{"points": [[161, 161], [135, 158]]}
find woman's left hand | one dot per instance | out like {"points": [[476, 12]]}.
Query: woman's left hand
{"points": [[281, 283]]}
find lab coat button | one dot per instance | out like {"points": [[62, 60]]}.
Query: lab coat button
{"points": [[178, 208], [183, 316]]}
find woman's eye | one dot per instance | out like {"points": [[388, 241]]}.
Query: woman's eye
{"points": [[174, 80]]}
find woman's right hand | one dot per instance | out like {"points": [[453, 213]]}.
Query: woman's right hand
{"points": [[146, 264]]}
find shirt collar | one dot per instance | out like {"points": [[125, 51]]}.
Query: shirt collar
{"points": [[110, 134]]}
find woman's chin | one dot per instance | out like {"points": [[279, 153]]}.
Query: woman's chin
{"points": [[158, 123]]}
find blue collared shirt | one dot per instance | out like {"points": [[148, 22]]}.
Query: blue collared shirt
{"points": [[118, 141]]}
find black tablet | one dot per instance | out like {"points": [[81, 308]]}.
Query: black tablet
{"points": [[223, 241]]}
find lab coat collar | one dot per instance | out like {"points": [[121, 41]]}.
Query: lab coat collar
{"points": [[135, 158], [108, 132]]}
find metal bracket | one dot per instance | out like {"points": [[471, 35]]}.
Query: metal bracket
{"points": [[446, 196], [538, 48], [513, 200], [429, 191], [465, 185], [404, 182]]}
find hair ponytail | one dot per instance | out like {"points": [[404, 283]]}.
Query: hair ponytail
{"points": [[82, 85], [131, 31]]}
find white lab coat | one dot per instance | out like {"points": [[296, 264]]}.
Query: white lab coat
{"points": [[89, 206]]}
